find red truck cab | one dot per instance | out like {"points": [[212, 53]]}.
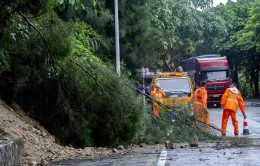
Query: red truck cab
{"points": [[215, 71], [211, 68]]}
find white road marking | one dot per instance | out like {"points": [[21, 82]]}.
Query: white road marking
{"points": [[162, 158]]}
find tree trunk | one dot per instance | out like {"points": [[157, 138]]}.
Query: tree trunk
{"points": [[166, 65], [251, 79], [236, 74], [245, 90], [256, 81]]}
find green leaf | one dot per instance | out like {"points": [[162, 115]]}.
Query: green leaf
{"points": [[72, 2], [60, 2]]}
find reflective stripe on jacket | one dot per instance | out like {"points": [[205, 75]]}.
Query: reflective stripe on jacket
{"points": [[200, 98], [159, 95], [231, 99]]}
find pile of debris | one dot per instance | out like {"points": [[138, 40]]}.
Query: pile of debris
{"points": [[40, 147]]}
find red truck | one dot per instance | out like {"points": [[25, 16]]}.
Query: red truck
{"points": [[211, 68]]}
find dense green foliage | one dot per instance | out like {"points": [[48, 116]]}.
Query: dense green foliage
{"points": [[51, 71], [56, 58], [240, 41]]}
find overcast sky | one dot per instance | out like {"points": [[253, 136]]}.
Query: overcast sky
{"points": [[216, 2]]}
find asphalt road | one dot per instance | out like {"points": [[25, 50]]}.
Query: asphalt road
{"points": [[205, 154], [253, 120]]}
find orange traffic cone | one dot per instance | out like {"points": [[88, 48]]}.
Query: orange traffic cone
{"points": [[245, 128]]}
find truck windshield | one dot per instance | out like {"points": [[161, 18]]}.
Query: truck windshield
{"points": [[214, 75], [174, 85]]}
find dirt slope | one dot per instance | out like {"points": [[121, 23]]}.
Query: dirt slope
{"points": [[40, 146]]}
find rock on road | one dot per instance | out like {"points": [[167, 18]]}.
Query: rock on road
{"points": [[205, 154]]}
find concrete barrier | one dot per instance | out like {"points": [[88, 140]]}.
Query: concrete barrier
{"points": [[11, 153]]}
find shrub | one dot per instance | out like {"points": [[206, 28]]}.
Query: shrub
{"points": [[55, 76]]}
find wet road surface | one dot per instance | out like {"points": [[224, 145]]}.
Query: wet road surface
{"points": [[209, 156], [141, 156], [253, 120], [205, 154]]}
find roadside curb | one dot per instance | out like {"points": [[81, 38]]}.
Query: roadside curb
{"points": [[255, 104], [252, 104]]}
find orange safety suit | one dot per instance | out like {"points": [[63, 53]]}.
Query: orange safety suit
{"points": [[200, 107], [230, 101], [158, 95]]}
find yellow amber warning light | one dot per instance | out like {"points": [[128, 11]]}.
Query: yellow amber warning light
{"points": [[173, 74]]}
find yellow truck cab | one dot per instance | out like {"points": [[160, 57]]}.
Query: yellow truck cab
{"points": [[177, 86]]}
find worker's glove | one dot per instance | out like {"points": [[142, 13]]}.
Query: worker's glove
{"points": [[244, 115]]}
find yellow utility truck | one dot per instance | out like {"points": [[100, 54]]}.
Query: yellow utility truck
{"points": [[177, 86]]}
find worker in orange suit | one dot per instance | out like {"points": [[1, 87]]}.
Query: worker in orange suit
{"points": [[158, 94], [200, 106], [230, 101]]}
